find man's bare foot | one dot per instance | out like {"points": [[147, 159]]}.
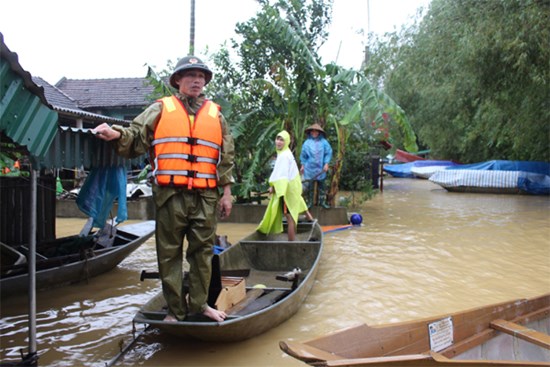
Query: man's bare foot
{"points": [[170, 318], [214, 314]]}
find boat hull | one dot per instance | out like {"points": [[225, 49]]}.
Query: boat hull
{"points": [[265, 257], [507, 334], [128, 239], [496, 177]]}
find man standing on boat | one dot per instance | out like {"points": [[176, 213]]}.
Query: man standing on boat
{"points": [[191, 151]]}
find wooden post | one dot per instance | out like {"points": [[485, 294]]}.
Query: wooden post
{"points": [[381, 175]]}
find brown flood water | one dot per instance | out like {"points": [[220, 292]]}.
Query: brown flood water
{"points": [[421, 251]]}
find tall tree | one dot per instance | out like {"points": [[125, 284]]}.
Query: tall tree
{"points": [[281, 83], [278, 81], [473, 77]]}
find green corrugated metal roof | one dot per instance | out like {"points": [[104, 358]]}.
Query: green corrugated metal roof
{"points": [[75, 148], [28, 119], [25, 116]]}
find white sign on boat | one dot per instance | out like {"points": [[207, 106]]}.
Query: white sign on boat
{"points": [[441, 334]]}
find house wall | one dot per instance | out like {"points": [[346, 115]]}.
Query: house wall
{"points": [[15, 210]]}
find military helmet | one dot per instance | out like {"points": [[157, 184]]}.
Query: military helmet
{"points": [[189, 63]]}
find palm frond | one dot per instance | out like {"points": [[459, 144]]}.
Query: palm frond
{"points": [[281, 28]]}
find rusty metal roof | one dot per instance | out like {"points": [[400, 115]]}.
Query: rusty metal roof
{"points": [[26, 117]]}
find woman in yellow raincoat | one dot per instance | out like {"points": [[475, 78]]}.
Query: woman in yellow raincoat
{"points": [[285, 185]]}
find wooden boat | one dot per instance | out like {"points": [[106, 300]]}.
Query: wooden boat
{"points": [[71, 259], [277, 275], [506, 334], [406, 157]]}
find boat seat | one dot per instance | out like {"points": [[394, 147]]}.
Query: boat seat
{"points": [[251, 296], [65, 246], [285, 242], [256, 301], [522, 332], [24, 249]]}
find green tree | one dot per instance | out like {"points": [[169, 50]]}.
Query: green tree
{"points": [[474, 78], [279, 82]]}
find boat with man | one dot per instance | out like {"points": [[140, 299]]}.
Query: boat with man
{"points": [[259, 282]]}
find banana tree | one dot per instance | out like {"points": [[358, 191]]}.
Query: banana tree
{"points": [[279, 82], [330, 95]]}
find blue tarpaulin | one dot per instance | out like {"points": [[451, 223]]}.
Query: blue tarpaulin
{"points": [[96, 197], [530, 177], [403, 170], [503, 165]]}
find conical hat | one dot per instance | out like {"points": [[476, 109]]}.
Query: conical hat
{"points": [[315, 127]]}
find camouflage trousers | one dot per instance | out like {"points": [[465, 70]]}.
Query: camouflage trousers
{"points": [[191, 215], [315, 193]]}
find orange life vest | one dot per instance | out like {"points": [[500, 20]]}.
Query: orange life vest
{"points": [[187, 154]]}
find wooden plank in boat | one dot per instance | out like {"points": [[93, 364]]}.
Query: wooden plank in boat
{"points": [[308, 352], [541, 313], [419, 360], [262, 302], [250, 297], [468, 343], [522, 332]]}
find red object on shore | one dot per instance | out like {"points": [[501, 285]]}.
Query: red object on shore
{"points": [[402, 156]]}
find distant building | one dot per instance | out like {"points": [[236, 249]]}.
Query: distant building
{"points": [[122, 98], [85, 103]]}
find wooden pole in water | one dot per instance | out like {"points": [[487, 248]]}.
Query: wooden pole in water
{"points": [[32, 355], [381, 175]]}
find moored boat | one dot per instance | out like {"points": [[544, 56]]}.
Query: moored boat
{"points": [[71, 259], [418, 168], [496, 177], [513, 333], [425, 169], [276, 276]]}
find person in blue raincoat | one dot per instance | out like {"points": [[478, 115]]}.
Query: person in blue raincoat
{"points": [[315, 158]]}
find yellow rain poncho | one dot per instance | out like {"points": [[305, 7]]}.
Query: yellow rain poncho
{"points": [[287, 183]]}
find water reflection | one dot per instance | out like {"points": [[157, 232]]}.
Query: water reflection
{"points": [[421, 251]]}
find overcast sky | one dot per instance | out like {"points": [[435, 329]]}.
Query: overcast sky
{"points": [[116, 38]]}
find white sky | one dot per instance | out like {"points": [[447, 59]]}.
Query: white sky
{"points": [[116, 38]]}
